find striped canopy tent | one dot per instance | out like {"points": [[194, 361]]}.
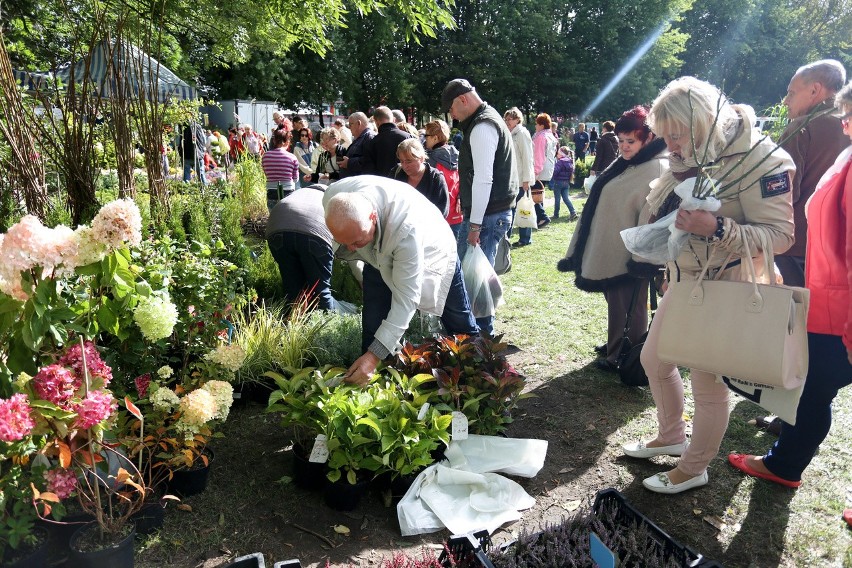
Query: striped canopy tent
{"points": [[127, 60]]}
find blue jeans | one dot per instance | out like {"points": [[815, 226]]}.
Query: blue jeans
{"points": [[560, 189], [199, 169], [305, 263], [828, 372], [457, 317], [494, 227]]}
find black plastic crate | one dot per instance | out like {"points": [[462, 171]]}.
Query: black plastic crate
{"points": [[627, 515], [467, 550]]}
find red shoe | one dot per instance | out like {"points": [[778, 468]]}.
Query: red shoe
{"points": [[847, 516], [739, 462]]}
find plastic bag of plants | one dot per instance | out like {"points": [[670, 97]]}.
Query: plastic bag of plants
{"points": [[483, 285]]}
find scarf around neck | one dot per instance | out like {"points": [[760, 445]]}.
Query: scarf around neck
{"points": [[574, 262]]}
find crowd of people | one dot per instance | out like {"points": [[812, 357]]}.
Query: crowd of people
{"points": [[408, 205]]}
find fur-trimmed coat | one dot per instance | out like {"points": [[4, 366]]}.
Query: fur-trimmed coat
{"points": [[597, 254]]}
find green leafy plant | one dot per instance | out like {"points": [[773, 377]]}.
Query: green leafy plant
{"points": [[339, 340], [261, 331], [471, 375], [250, 188], [298, 400]]}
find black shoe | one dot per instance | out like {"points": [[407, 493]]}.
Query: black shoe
{"points": [[601, 349], [554, 217], [543, 223], [605, 364], [519, 244], [573, 217]]}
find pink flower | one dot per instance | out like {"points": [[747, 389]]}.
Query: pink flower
{"points": [[61, 481], [94, 409], [117, 223], [97, 368], [15, 420], [56, 384], [142, 384]]}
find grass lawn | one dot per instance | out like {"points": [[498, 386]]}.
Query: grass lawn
{"points": [[585, 414]]}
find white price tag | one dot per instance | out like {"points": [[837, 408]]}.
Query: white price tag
{"points": [[459, 426], [319, 453], [423, 410]]}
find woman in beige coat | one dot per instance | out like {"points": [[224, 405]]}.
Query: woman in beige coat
{"points": [[701, 128], [597, 254]]}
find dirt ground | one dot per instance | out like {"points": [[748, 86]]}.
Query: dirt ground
{"points": [[250, 505]]}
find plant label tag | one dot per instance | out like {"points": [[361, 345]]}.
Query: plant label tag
{"points": [[459, 426], [319, 453], [601, 555], [423, 410]]}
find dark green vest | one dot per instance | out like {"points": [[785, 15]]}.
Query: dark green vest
{"points": [[504, 185]]}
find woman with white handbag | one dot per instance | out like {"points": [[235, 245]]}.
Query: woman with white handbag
{"points": [[707, 136], [828, 274]]}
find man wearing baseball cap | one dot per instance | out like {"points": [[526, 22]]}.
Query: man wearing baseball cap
{"points": [[487, 177]]}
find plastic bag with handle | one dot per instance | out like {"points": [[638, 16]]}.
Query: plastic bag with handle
{"points": [[483, 285]]}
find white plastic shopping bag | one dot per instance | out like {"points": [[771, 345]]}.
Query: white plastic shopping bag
{"points": [[661, 241], [525, 217], [589, 182], [483, 285]]}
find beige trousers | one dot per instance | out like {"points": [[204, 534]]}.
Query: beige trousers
{"points": [[711, 403]]}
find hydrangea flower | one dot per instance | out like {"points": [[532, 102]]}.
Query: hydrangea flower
{"points": [[73, 358], [56, 384], [164, 399], [165, 372], [95, 408], [223, 395], [61, 481], [197, 409], [29, 245], [117, 223], [15, 419], [156, 316], [231, 357], [89, 249]]}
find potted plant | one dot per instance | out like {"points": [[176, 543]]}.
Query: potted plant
{"points": [[169, 441], [471, 375], [72, 408], [298, 399], [20, 539], [410, 433]]}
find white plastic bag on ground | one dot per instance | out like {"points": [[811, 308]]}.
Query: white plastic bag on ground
{"points": [[661, 241], [463, 493], [483, 285]]}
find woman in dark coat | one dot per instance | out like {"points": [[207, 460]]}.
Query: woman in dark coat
{"points": [[416, 172]]}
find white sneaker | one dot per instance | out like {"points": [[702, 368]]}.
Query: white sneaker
{"points": [[660, 483], [640, 450]]}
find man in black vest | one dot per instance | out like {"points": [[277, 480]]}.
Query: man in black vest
{"points": [[487, 178]]}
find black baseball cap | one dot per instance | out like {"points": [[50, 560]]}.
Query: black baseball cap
{"points": [[453, 89]]}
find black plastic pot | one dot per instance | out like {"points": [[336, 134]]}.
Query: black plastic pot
{"points": [[292, 563], [35, 557], [248, 561], [191, 481], [308, 475], [343, 496], [150, 517], [255, 391], [61, 533], [117, 555]]}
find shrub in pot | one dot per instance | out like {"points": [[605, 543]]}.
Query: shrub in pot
{"points": [[471, 375]]}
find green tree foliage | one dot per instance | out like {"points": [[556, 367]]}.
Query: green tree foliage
{"points": [[752, 48]]}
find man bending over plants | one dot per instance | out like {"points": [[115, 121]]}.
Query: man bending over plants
{"points": [[410, 263]]}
